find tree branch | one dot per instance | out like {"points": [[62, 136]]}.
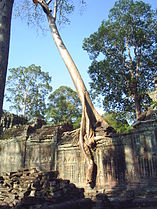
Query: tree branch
{"points": [[139, 55], [127, 45], [48, 2], [55, 10], [123, 58], [138, 60], [137, 63], [44, 5]]}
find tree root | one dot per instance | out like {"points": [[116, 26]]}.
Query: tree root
{"points": [[87, 143]]}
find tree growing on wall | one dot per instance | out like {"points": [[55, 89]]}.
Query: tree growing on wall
{"points": [[64, 106], [27, 90], [5, 24], [59, 9], [90, 117], [124, 57]]}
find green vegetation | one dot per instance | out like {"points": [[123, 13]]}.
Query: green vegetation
{"points": [[29, 93], [64, 106], [124, 57], [27, 90], [117, 121]]}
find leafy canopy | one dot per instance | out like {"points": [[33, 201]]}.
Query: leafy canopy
{"points": [[27, 90], [124, 56], [64, 106]]}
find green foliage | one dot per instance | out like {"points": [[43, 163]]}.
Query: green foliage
{"points": [[64, 106], [117, 121], [154, 105], [124, 56], [27, 90]]}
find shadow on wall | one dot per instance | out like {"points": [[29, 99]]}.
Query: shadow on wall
{"points": [[26, 146], [114, 167], [126, 164], [130, 169], [131, 163]]}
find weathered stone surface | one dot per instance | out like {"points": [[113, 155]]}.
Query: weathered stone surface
{"points": [[31, 187], [9, 120], [126, 164], [31, 145]]}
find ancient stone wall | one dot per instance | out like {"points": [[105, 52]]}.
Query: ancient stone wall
{"points": [[29, 146], [21, 152], [123, 162]]}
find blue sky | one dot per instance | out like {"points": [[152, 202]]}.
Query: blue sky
{"points": [[29, 47]]}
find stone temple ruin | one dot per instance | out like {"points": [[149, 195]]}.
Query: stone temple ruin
{"points": [[126, 164], [42, 165]]}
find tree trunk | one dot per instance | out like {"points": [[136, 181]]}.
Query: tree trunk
{"points": [[90, 117], [136, 97], [89, 114], [5, 25], [74, 73], [137, 106]]}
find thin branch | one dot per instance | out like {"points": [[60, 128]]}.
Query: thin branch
{"points": [[124, 62], [135, 51], [48, 2], [55, 10], [44, 5], [139, 55], [138, 61], [127, 45]]}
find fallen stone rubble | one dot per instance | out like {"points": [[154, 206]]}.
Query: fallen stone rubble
{"points": [[33, 189]]}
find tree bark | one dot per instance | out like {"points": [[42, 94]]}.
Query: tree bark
{"points": [[89, 114], [137, 106], [5, 25], [74, 73], [90, 117]]}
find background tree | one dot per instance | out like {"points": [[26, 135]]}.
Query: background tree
{"points": [[124, 57], [24, 9], [27, 90], [64, 106], [5, 24], [117, 121]]}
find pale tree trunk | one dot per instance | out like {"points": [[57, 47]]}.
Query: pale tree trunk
{"points": [[90, 117], [137, 106], [137, 99], [134, 79], [5, 25], [24, 105]]}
